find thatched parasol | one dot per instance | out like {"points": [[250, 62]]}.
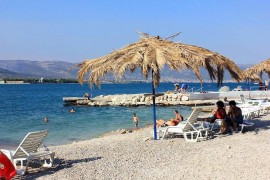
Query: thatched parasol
{"points": [[258, 69], [151, 54], [251, 75]]}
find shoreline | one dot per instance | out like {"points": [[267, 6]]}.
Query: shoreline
{"points": [[136, 156]]}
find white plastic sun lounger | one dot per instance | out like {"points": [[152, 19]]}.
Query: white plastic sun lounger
{"points": [[246, 123], [187, 128], [29, 149]]}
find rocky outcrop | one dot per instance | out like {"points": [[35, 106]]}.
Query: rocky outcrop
{"points": [[167, 99], [138, 99], [129, 100]]}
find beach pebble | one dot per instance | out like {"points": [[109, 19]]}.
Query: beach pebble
{"points": [[146, 139], [123, 131], [128, 157]]}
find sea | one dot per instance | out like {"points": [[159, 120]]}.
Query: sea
{"points": [[23, 108]]}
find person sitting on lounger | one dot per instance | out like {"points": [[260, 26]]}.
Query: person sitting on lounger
{"points": [[173, 122], [218, 113], [235, 116]]}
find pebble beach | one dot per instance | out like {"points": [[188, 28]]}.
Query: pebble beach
{"points": [[136, 156]]}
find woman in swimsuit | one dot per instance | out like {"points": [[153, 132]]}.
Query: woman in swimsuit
{"points": [[173, 122]]}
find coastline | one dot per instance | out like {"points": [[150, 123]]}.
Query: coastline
{"points": [[35, 101], [136, 156]]}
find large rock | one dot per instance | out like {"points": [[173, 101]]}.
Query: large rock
{"points": [[184, 98], [224, 89]]}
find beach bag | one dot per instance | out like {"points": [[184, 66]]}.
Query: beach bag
{"points": [[7, 170]]}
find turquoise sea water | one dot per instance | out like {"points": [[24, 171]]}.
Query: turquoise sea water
{"points": [[24, 106]]}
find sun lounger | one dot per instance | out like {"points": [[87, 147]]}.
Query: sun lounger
{"points": [[216, 124], [30, 149], [187, 128], [246, 123], [260, 106]]}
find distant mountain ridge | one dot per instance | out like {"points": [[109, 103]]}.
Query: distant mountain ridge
{"points": [[59, 69], [9, 74], [37, 69]]}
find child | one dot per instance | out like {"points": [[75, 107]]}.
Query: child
{"points": [[135, 120]]}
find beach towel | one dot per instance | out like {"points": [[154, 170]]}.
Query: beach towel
{"points": [[7, 170]]}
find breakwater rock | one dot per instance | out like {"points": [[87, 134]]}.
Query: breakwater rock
{"points": [[164, 99], [138, 99], [133, 100]]}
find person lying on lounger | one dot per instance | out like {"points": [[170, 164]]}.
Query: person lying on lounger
{"points": [[173, 122]]}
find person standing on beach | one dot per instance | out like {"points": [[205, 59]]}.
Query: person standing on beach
{"points": [[135, 120]]}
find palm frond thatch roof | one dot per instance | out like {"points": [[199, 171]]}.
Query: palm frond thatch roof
{"points": [[250, 75], [258, 69], [152, 53]]}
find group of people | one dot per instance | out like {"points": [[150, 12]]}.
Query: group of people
{"points": [[183, 89], [230, 119]]}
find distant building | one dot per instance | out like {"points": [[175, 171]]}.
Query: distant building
{"points": [[2, 81], [14, 82], [40, 80]]}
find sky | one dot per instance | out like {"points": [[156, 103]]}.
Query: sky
{"points": [[72, 31]]}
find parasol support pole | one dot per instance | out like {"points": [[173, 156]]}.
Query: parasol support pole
{"points": [[154, 107]]}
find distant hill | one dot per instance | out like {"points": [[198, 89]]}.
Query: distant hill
{"points": [[8, 74], [37, 69], [59, 69]]}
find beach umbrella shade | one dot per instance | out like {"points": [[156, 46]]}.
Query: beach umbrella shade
{"points": [[258, 69], [250, 75], [150, 54]]}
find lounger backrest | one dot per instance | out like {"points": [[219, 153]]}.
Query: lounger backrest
{"points": [[192, 119], [242, 98], [30, 143]]}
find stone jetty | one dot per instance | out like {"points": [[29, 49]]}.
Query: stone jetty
{"points": [[164, 99]]}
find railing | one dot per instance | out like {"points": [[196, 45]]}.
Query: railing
{"points": [[261, 88], [192, 89], [199, 90]]}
